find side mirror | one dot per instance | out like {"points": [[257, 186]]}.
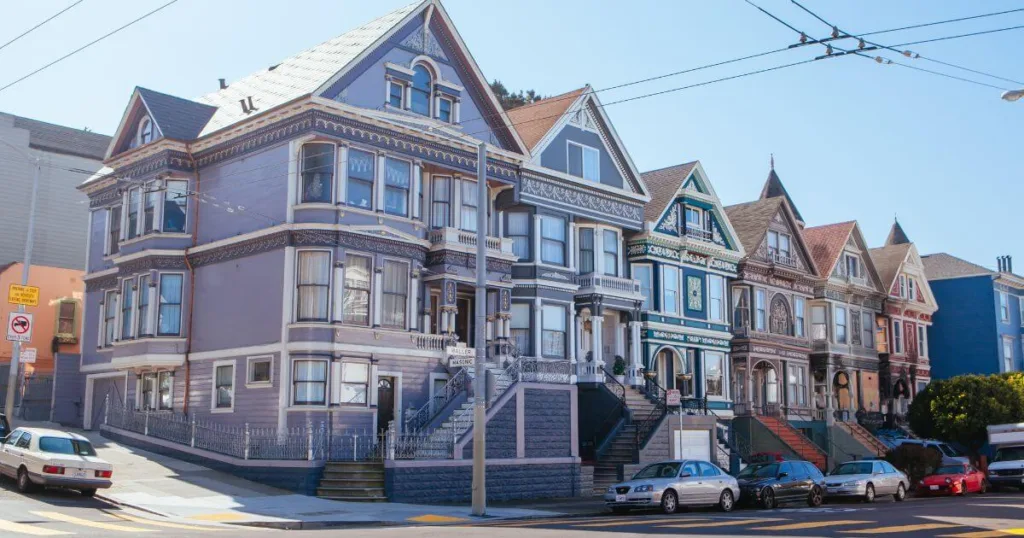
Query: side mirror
{"points": [[782, 475], [684, 474]]}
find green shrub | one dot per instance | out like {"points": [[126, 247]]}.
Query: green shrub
{"points": [[915, 460]]}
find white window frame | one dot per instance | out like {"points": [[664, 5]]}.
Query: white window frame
{"points": [[408, 291], [722, 356], [848, 256], [109, 296], [133, 286], [604, 250], [369, 291], [911, 289], [164, 199], [801, 384], [664, 289], [595, 152], [336, 379], [566, 255], [451, 109], [343, 197], [897, 336], [401, 85], [700, 214], [126, 233], [181, 304], [922, 341], [760, 310], [249, 383], [408, 191], [1004, 307], [1007, 357], [327, 384], [648, 299], [146, 121], [799, 317], [717, 282], [330, 285], [565, 330], [155, 403], [903, 286], [213, 384], [845, 325]]}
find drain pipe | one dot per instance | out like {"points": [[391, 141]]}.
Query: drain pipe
{"points": [[191, 279]]}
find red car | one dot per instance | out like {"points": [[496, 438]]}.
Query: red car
{"points": [[954, 478]]}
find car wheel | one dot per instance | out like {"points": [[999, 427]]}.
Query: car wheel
{"points": [[815, 498], [963, 487], [25, 484], [669, 502], [869, 494], [984, 487], [901, 493], [88, 492], [768, 499], [726, 502]]}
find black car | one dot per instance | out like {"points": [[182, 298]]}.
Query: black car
{"points": [[772, 483]]}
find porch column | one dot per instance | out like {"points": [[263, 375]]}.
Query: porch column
{"points": [[633, 375], [596, 323], [378, 294], [620, 339], [573, 337]]}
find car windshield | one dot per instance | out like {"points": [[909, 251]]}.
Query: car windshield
{"points": [[950, 469], [950, 451], [1010, 453], [862, 467], [759, 470], [62, 445], [659, 470]]}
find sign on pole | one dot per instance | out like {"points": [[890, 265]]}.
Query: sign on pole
{"points": [[19, 327], [23, 295], [460, 357], [28, 355], [672, 397]]}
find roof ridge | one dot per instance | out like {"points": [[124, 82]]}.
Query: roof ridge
{"points": [[671, 166]]}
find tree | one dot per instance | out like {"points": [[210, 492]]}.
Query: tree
{"points": [[915, 460], [920, 412], [510, 100]]}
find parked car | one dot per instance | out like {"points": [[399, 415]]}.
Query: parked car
{"points": [[50, 458], [769, 484], [947, 451], [5, 427], [954, 479], [671, 484], [866, 479], [1007, 466]]}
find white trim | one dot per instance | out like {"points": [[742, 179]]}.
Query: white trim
{"points": [[148, 360], [263, 349], [583, 152], [249, 383], [399, 417], [287, 293], [399, 68], [213, 383], [328, 378], [363, 349], [330, 283]]}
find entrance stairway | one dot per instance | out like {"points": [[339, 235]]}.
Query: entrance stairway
{"points": [[798, 442], [622, 447], [864, 437], [361, 481], [461, 418]]}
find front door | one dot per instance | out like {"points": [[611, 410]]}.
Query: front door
{"points": [[385, 402], [464, 321]]}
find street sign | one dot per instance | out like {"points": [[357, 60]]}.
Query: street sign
{"points": [[19, 327], [460, 357], [28, 355], [672, 397], [23, 295]]}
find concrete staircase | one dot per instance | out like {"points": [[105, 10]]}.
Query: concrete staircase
{"points": [[622, 447], [864, 437], [461, 418], [798, 442], [353, 481]]}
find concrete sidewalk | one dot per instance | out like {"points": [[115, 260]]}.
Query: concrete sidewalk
{"points": [[186, 492]]}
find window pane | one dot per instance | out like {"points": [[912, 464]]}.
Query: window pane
{"points": [[575, 164], [586, 251], [317, 169], [553, 337], [149, 208], [670, 284], [225, 385], [356, 305], [519, 231], [716, 298], [643, 274], [395, 94], [520, 326], [421, 86], [610, 244], [109, 315], [175, 206], [143, 305], [396, 179], [553, 240], [314, 280], [133, 212], [66, 318], [591, 164], [259, 371], [470, 203], [441, 208], [355, 372], [115, 229], [713, 375], [169, 322], [445, 114], [310, 386], [396, 291], [127, 296], [360, 165]]}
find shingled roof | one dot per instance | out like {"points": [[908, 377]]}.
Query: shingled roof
{"points": [[534, 120], [942, 265], [896, 235], [826, 243], [60, 139], [750, 220], [888, 260], [773, 188], [663, 184], [178, 119]]}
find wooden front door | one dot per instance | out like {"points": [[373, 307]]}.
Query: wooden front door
{"points": [[385, 402]]}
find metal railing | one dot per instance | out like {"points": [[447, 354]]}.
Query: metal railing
{"points": [[645, 426], [455, 386], [697, 233], [590, 450]]}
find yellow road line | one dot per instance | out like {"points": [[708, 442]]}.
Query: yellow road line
{"points": [[535, 522], [810, 525], [57, 516], [716, 524], [10, 526], [903, 528], [636, 521], [166, 524], [978, 534], [432, 518]]}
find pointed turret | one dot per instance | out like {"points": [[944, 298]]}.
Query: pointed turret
{"points": [[773, 188], [896, 235]]}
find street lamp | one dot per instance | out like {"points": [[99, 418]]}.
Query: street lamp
{"points": [[1013, 95]]}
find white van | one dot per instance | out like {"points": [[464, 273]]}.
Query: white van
{"points": [[1007, 466]]}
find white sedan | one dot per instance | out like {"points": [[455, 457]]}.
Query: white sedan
{"points": [[51, 458]]}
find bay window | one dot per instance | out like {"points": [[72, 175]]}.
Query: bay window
{"points": [[397, 178], [175, 205], [353, 385], [309, 382], [223, 386], [716, 298], [520, 327], [796, 388], [760, 310], [314, 283], [518, 230], [127, 296], [643, 273], [819, 323], [470, 205], [169, 313], [142, 326], [611, 253], [109, 317], [714, 366], [316, 166], [395, 294], [799, 307], [553, 331], [586, 261], [356, 307], [155, 391], [440, 202], [152, 198], [359, 185], [840, 325], [113, 229], [552, 242], [670, 289]]}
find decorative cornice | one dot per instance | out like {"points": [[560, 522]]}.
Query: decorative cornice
{"points": [[151, 262], [541, 190], [250, 247], [452, 260]]}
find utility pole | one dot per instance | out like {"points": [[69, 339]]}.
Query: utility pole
{"points": [[13, 377], [480, 382]]}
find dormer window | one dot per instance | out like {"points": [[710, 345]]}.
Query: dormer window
{"points": [[584, 162], [421, 89], [145, 131], [852, 266], [778, 246], [396, 94], [444, 112]]}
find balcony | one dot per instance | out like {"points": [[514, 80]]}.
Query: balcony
{"points": [[596, 284], [699, 234], [465, 241], [781, 258], [856, 280]]}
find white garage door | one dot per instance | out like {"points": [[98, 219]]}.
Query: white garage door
{"points": [[693, 445]]}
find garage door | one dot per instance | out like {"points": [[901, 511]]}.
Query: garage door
{"points": [[693, 445]]}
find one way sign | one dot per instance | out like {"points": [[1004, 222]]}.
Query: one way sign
{"points": [[19, 327]]}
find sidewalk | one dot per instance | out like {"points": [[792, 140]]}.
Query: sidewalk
{"points": [[186, 492]]}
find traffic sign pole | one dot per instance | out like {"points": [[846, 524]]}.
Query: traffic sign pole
{"points": [[14, 375]]}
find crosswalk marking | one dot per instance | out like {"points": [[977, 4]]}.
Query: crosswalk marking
{"points": [[94, 524], [166, 524], [716, 524], [636, 521], [10, 526], [903, 528], [810, 525]]}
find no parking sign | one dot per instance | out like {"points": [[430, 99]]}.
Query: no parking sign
{"points": [[19, 327]]}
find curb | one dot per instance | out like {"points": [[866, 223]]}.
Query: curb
{"points": [[315, 525], [120, 504]]}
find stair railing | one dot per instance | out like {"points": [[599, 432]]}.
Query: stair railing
{"points": [[645, 426], [462, 419], [429, 411], [612, 418]]}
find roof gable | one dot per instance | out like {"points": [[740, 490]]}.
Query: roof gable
{"points": [[753, 220], [773, 187], [173, 117], [889, 262], [533, 121], [827, 243]]}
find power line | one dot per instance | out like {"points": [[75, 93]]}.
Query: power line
{"points": [[972, 34], [87, 45], [32, 29], [942, 22]]}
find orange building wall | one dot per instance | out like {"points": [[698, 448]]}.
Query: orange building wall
{"points": [[54, 284]]}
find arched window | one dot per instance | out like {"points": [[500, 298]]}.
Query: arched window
{"points": [[421, 88], [145, 131], [779, 317]]}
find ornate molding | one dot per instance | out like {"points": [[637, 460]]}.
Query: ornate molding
{"points": [[151, 262], [546, 190]]}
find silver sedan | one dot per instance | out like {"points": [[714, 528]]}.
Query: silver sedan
{"points": [[866, 479], [671, 484]]}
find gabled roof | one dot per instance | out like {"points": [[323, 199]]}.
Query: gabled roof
{"points": [[177, 118], [534, 120], [663, 184], [750, 220], [896, 235], [826, 243], [942, 265], [773, 188], [888, 260]]}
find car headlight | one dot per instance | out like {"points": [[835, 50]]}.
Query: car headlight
{"points": [[948, 481], [646, 488], [856, 483], [611, 489]]}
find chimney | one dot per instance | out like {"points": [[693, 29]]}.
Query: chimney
{"points": [[247, 106], [999, 263], [223, 84], [1009, 263]]}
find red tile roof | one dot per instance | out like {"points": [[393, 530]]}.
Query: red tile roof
{"points": [[534, 120], [826, 243]]}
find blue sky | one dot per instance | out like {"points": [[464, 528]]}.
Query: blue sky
{"points": [[852, 139]]}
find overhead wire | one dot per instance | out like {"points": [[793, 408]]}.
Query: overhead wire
{"points": [[947, 21], [34, 28]]}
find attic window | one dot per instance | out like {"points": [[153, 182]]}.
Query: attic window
{"points": [[145, 131], [421, 85], [584, 162]]}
